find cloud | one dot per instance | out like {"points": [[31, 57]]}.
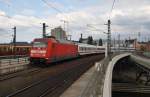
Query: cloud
{"points": [[28, 12], [134, 18], [124, 19], [8, 2], [58, 7], [2, 13]]}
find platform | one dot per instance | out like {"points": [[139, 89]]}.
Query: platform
{"points": [[95, 82], [76, 89]]}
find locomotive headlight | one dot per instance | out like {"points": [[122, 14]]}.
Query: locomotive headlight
{"points": [[33, 51], [42, 52], [38, 51]]}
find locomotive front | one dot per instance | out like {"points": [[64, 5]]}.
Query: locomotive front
{"points": [[38, 53]]}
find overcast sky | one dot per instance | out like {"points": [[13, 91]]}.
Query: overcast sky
{"points": [[129, 17]]}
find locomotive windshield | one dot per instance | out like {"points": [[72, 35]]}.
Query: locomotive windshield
{"points": [[39, 44]]}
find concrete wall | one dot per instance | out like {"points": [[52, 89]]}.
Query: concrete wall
{"points": [[108, 77]]}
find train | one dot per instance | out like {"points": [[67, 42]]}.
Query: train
{"points": [[86, 49], [20, 48], [48, 50]]}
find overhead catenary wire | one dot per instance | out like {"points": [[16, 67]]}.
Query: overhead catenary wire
{"points": [[113, 4], [94, 28], [6, 1], [65, 20], [56, 9], [50, 5], [112, 9], [10, 6], [53, 7]]}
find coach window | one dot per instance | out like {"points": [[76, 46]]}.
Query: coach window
{"points": [[4, 49], [25, 50], [16, 49], [82, 48]]}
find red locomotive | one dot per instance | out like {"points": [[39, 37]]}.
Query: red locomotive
{"points": [[47, 50]]}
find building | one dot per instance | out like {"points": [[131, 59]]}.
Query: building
{"points": [[143, 46], [59, 33], [131, 43]]}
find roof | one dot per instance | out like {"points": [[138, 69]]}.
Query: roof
{"points": [[17, 44], [143, 42], [130, 41], [54, 40], [88, 45]]}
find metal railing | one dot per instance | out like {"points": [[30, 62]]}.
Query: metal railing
{"points": [[14, 61], [13, 56]]}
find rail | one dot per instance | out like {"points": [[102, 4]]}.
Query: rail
{"points": [[142, 65], [54, 85]]}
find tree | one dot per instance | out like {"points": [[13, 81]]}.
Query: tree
{"points": [[80, 40], [142, 48], [90, 40], [100, 43]]}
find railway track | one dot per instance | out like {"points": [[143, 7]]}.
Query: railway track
{"points": [[19, 73], [54, 85], [130, 88], [48, 85]]}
